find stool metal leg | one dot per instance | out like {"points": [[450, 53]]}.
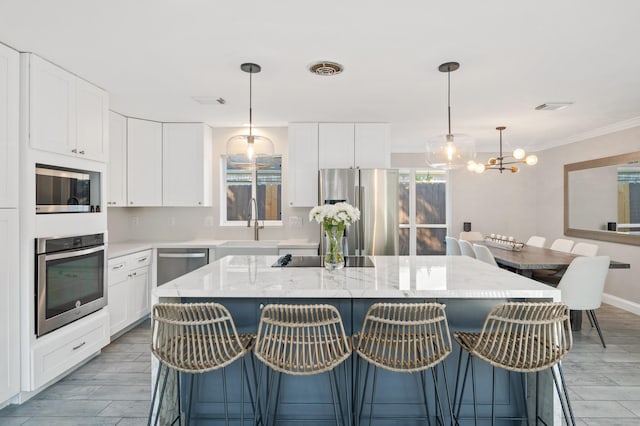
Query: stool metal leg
{"points": [[226, 402], [164, 385], [423, 388], [464, 383], [194, 379], [333, 386], [373, 392], [523, 383], [155, 393], [473, 382], [563, 396], [434, 375], [446, 388], [349, 395], [257, 414]]}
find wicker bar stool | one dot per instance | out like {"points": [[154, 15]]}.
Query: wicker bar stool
{"points": [[519, 337], [302, 340], [196, 338], [404, 338]]}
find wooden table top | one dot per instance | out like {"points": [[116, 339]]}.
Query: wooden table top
{"points": [[530, 258]]}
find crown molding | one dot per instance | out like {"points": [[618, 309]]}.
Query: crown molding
{"points": [[612, 128]]}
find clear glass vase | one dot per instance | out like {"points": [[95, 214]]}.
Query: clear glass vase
{"points": [[334, 257]]}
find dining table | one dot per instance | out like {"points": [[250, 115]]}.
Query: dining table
{"points": [[529, 258]]}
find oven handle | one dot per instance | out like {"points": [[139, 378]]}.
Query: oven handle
{"points": [[181, 255], [74, 253]]}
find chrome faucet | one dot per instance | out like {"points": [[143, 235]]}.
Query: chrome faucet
{"points": [[256, 225]]}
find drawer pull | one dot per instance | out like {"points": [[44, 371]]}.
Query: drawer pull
{"points": [[120, 266], [79, 346], [143, 259]]}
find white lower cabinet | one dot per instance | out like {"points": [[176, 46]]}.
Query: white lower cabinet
{"points": [[129, 285], [57, 352]]}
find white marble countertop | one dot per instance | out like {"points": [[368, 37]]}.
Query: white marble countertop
{"points": [[127, 247], [392, 277]]}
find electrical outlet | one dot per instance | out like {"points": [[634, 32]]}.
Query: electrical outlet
{"points": [[295, 221], [172, 221], [208, 221], [135, 220]]}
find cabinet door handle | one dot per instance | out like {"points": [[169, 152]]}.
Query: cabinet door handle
{"points": [[75, 151], [79, 346], [82, 152], [142, 259], [133, 274], [120, 266]]}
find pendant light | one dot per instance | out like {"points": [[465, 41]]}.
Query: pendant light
{"points": [[250, 151], [504, 162], [450, 151]]}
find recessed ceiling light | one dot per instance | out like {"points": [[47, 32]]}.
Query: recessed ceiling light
{"points": [[209, 100], [553, 106], [326, 68]]}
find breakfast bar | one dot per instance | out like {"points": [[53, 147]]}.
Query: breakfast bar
{"points": [[468, 288]]}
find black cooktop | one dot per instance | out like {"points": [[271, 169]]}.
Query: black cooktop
{"points": [[318, 261]]}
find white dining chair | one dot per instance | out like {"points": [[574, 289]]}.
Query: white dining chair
{"points": [[484, 254], [453, 248], [585, 249], [582, 285], [471, 236], [560, 244], [536, 241], [466, 249]]}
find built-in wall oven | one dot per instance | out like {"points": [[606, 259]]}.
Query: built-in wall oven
{"points": [[71, 279]]}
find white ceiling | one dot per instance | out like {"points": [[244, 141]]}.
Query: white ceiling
{"points": [[153, 56]]}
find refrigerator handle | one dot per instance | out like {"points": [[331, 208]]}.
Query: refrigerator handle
{"points": [[360, 234]]}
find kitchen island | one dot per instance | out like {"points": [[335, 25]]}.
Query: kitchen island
{"points": [[469, 289]]}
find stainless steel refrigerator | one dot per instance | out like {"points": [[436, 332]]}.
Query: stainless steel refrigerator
{"points": [[375, 193]]}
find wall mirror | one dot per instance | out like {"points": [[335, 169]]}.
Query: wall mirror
{"points": [[602, 199]]}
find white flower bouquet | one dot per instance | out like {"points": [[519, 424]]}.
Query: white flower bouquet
{"points": [[334, 215], [334, 218]]}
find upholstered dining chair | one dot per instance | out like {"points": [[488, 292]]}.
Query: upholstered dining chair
{"points": [[484, 254], [466, 249], [582, 285], [453, 248], [561, 244], [536, 241], [585, 249]]}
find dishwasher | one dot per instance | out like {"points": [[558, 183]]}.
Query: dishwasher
{"points": [[175, 262]]}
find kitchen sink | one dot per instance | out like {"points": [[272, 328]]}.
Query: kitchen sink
{"points": [[250, 244], [246, 247]]}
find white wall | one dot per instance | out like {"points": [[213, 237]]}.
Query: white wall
{"points": [[550, 208], [154, 223]]}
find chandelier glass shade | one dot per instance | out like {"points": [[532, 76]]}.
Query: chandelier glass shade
{"points": [[451, 150], [249, 151], [504, 162]]}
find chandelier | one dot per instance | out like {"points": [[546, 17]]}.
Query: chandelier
{"points": [[450, 151], [502, 162], [250, 151]]}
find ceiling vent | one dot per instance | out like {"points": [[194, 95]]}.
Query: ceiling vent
{"points": [[553, 106], [326, 68]]}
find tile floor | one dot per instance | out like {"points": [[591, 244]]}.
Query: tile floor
{"points": [[114, 388]]}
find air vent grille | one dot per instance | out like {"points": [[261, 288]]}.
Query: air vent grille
{"points": [[326, 68]]}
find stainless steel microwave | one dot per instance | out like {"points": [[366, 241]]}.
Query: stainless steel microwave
{"points": [[60, 190]]}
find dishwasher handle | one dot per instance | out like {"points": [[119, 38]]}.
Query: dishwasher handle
{"points": [[182, 255]]}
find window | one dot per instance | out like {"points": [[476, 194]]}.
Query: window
{"points": [[423, 213], [242, 185]]}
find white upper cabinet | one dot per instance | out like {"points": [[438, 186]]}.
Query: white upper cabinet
{"points": [[372, 145], [117, 167], [302, 176], [187, 164], [336, 145], [344, 145], [67, 115], [9, 123], [92, 121], [144, 163]]}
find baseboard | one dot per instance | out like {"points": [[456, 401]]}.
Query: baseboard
{"points": [[621, 303]]}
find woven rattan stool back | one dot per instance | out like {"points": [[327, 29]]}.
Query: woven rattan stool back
{"points": [[301, 339], [195, 338], [404, 337], [524, 337]]}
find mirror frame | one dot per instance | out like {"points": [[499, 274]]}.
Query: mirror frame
{"points": [[613, 236]]}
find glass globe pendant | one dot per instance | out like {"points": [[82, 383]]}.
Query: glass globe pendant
{"points": [[450, 151], [250, 151]]}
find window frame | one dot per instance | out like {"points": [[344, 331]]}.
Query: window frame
{"points": [[254, 189], [412, 225]]}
